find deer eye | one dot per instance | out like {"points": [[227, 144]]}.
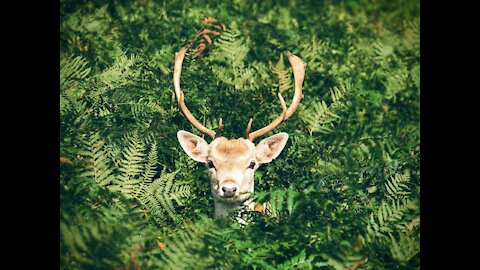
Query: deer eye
{"points": [[210, 164], [252, 165]]}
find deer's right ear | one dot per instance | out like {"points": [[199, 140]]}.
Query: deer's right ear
{"points": [[194, 146]]}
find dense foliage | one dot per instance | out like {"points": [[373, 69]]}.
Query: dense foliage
{"points": [[344, 193]]}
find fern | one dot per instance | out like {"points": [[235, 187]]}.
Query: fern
{"points": [[410, 225], [278, 201], [99, 164], [131, 166], [313, 52], [339, 94], [182, 249], [342, 261], [228, 54], [318, 117], [390, 212], [384, 49], [397, 187], [143, 107], [382, 222], [284, 77], [395, 82], [72, 71], [300, 261], [94, 244], [161, 59], [179, 192], [149, 171], [227, 61], [137, 176], [338, 195], [230, 49], [158, 196], [405, 247], [120, 74]]}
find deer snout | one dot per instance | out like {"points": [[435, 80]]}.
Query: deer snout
{"points": [[229, 192], [228, 188]]}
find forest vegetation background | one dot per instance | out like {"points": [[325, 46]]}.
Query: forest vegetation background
{"points": [[344, 193]]}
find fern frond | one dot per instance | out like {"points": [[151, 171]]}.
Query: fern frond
{"points": [[397, 187], [382, 51], [160, 193], [284, 77], [384, 48], [149, 172], [179, 192], [94, 244], [143, 107], [183, 248], [230, 48], [227, 60], [300, 261], [318, 117], [395, 82], [313, 52], [340, 93], [158, 196], [247, 79], [131, 165], [277, 200], [410, 226], [120, 74], [405, 247], [151, 166], [72, 69], [161, 59], [99, 164], [65, 104], [386, 216]]}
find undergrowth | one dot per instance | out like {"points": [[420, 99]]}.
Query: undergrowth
{"points": [[344, 194]]}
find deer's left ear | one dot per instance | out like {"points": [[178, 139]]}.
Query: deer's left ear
{"points": [[269, 148]]}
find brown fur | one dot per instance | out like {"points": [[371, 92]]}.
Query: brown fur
{"points": [[232, 147]]}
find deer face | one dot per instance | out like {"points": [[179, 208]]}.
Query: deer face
{"points": [[232, 163]]}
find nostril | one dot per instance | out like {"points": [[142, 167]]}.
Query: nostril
{"points": [[226, 189], [229, 192]]}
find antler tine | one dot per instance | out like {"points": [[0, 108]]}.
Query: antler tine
{"points": [[298, 67], [247, 131], [218, 133], [179, 56], [272, 125]]}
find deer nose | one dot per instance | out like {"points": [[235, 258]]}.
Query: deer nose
{"points": [[229, 192]]}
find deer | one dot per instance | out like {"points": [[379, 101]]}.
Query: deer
{"points": [[232, 163]]}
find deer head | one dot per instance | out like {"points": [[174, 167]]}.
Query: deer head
{"points": [[232, 163]]}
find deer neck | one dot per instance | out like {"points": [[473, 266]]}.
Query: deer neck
{"points": [[223, 208]]}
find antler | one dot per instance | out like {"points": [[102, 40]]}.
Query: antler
{"points": [[179, 56], [298, 67]]}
